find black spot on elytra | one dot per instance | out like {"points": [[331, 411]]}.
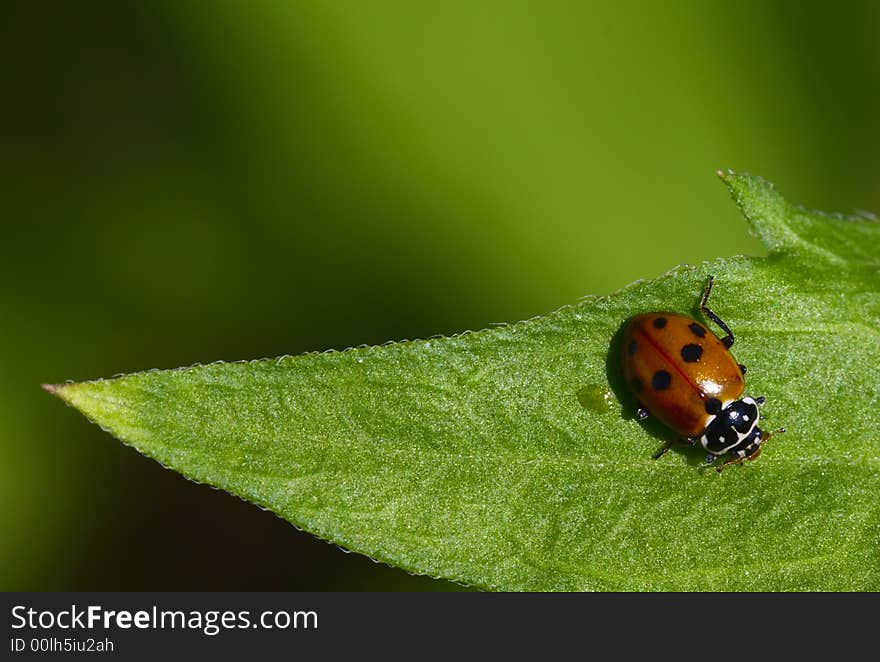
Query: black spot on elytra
{"points": [[691, 353], [633, 347], [661, 380], [637, 385], [713, 406], [697, 330], [659, 322]]}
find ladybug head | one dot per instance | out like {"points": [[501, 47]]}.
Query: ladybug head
{"points": [[735, 425]]}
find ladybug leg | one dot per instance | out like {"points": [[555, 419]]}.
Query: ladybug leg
{"points": [[738, 460], [710, 458], [704, 300], [663, 449], [641, 413], [766, 435], [750, 452], [688, 441], [742, 368]]}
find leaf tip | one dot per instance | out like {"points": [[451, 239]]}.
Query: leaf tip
{"points": [[764, 208], [58, 390]]}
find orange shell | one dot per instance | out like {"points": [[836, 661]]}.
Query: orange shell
{"points": [[676, 367]]}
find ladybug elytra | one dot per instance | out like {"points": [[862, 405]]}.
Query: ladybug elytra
{"points": [[685, 376]]}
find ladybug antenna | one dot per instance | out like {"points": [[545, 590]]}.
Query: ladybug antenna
{"points": [[766, 435]]}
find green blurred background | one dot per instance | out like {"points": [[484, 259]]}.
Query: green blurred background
{"points": [[191, 181]]}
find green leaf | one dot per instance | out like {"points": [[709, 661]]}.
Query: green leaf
{"points": [[508, 458]]}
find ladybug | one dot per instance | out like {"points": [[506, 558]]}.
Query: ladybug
{"points": [[685, 376]]}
